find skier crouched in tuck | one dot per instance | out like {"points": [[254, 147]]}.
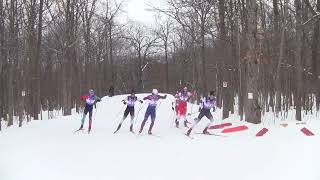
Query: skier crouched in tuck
{"points": [[90, 99], [151, 110], [206, 104], [181, 106], [130, 101]]}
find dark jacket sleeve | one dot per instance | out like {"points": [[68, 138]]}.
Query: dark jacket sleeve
{"points": [[162, 97], [98, 99], [145, 98]]}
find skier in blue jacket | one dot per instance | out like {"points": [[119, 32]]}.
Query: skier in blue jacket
{"points": [[151, 110]]}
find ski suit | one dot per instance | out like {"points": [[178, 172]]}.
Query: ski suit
{"points": [[206, 104], [90, 101]]}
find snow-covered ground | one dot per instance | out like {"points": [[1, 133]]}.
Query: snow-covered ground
{"points": [[50, 150]]}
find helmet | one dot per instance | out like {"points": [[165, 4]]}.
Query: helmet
{"points": [[154, 91]]}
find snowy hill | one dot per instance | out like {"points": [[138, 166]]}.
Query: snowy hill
{"points": [[50, 150]]}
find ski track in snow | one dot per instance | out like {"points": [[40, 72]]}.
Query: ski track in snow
{"points": [[51, 150]]}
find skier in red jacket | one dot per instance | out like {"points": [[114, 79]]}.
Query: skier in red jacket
{"points": [[90, 100], [181, 105]]}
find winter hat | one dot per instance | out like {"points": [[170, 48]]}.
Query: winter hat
{"points": [[154, 91]]}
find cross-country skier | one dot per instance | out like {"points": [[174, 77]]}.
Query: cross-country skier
{"points": [[90, 100], [151, 110], [207, 103], [130, 102], [181, 105]]}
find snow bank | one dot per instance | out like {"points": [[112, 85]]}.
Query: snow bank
{"points": [[50, 149]]}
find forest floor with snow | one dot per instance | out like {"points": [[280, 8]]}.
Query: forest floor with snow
{"points": [[51, 150]]}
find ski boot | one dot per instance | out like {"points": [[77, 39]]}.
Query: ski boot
{"points": [[186, 123], [142, 126], [131, 128], [205, 131], [90, 123], [150, 128], [189, 131], [177, 123]]}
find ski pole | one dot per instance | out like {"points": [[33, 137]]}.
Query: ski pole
{"points": [[134, 121], [173, 115], [95, 113], [159, 104], [116, 117]]}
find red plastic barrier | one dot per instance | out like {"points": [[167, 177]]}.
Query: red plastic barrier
{"points": [[307, 132], [220, 126], [262, 132], [235, 129]]}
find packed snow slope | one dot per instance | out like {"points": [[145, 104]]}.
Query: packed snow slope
{"points": [[51, 150]]}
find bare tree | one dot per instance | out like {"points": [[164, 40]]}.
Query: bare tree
{"points": [[111, 12], [163, 32], [252, 107], [142, 44], [298, 56]]}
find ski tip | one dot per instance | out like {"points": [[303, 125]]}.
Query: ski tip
{"points": [[188, 136]]}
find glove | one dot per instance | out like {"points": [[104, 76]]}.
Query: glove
{"points": [[172, 108], [141, 101], [124, 102], [165, 96], [199, 109], [99, 100], [213, 109]]}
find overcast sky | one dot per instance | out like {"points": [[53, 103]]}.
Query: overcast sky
{"points": [[137, 10]]}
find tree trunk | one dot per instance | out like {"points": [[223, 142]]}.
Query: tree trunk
{"points": [[203, 58], [315, 58], [167, 66], [113, 67], [140, 85], [37, 75], [281, 54], [12, 48], [226, 63], [252, 107], [298, 57]]}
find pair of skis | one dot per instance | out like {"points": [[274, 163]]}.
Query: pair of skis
{"points": [[81, 129], [205, 134], [139, 134]]}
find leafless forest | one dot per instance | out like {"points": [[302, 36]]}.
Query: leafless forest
{"points": [[258, 55]]}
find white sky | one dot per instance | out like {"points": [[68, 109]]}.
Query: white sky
{"points": [[137, 10]]}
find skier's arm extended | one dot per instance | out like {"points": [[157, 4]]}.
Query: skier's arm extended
{"points": [[97, 99], [162, 97], [139, 100], [146, 98], [124, 101], [83, 97]]}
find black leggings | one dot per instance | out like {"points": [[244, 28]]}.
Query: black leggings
{"points": [[205, 112], [128, 110]]}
